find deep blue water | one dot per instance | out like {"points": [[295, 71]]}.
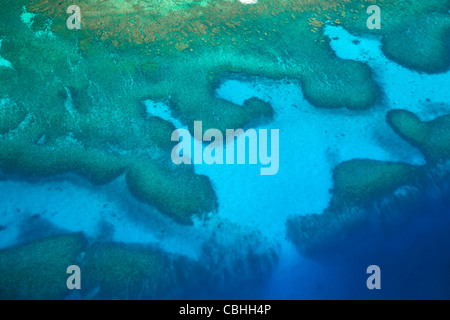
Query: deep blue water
{"points": [[411, 245], [412, 251]]}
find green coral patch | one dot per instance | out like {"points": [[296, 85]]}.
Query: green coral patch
{"points": [[123, 270], [357, 183], [415, 33], [432, 138], [160, 132], [423, 45], [37, 270], [346, 84], [62, 112], [34, 161], [11, 116], [360, 180], [176, 191]]}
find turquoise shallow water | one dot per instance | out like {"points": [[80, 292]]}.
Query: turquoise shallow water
{"points": [[243, 250]]}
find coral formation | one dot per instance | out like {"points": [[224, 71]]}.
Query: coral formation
{"points": [[37, 270], [222, 35], [67, 113], [81, 110], [357, 183], [175, 191], [122, 271], [115, 270], [432, 138], [72, 99], [423, 45], [414, 34], [360, 180]]}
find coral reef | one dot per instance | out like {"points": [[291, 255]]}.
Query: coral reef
{"points": [[81, 109], [360, 180], [357, 184], [175, 191], [414, 34], [67, 113], [122, 271], [222, 35], [432, 138], [423, 45], [37, 270], [77, 107], [362, 183], [115, 270]]}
